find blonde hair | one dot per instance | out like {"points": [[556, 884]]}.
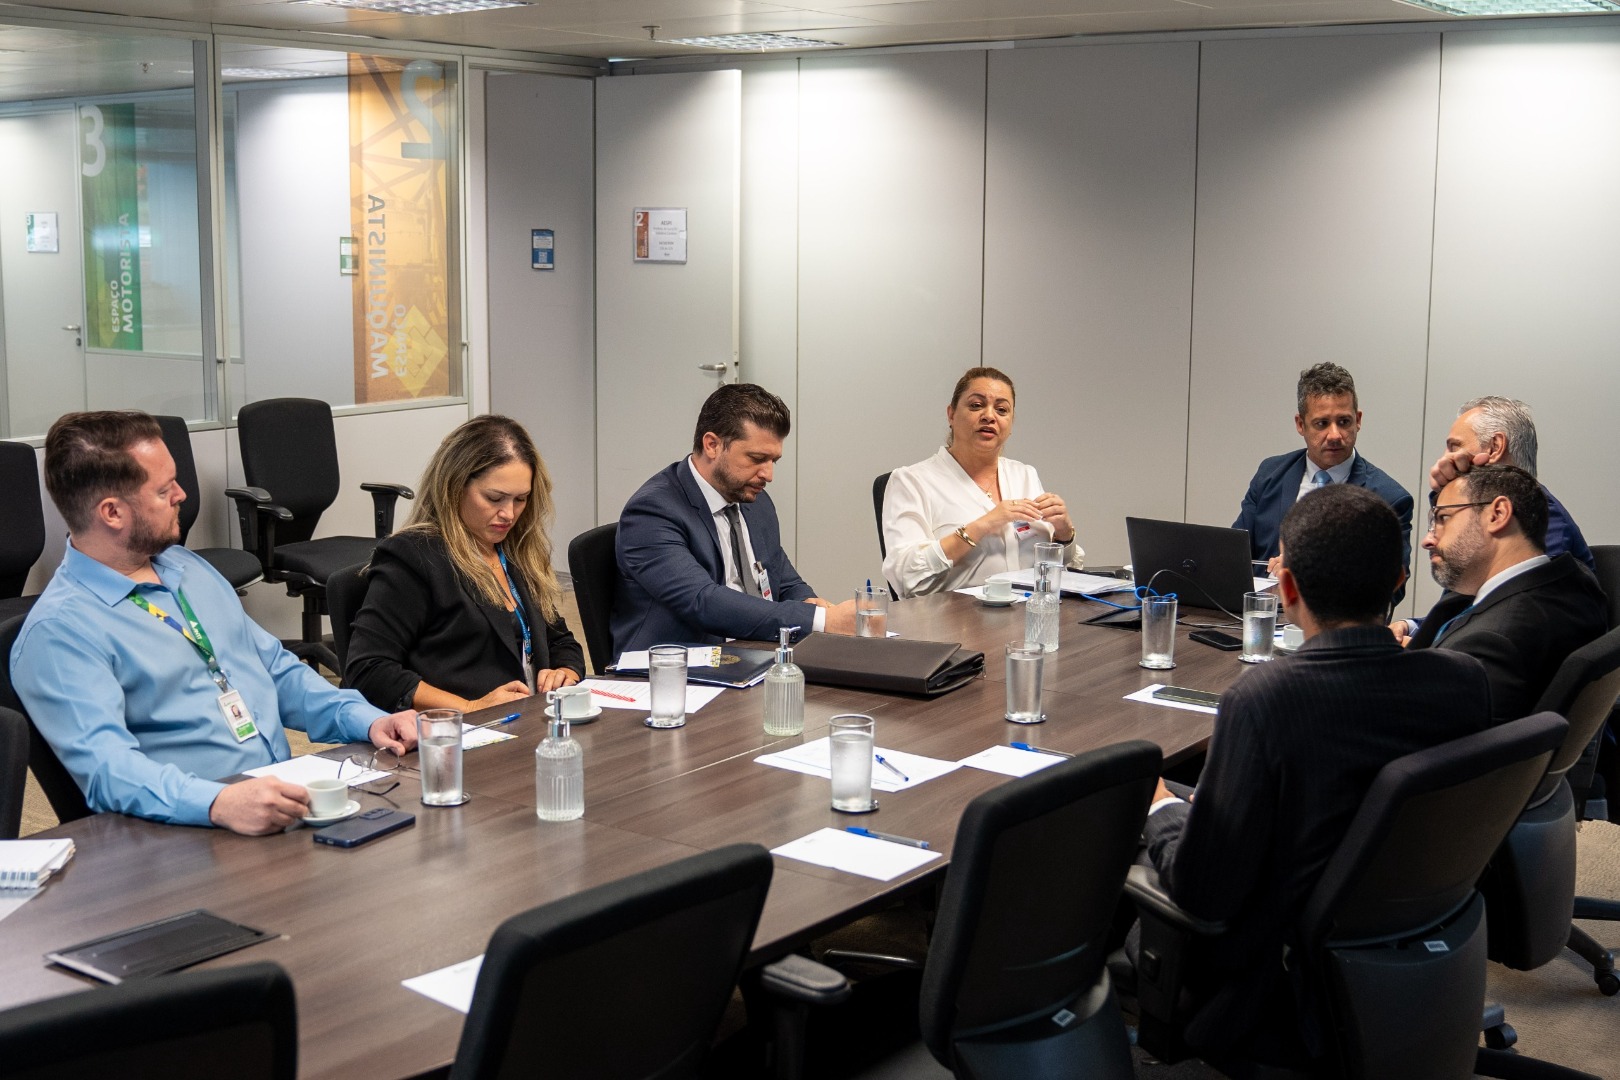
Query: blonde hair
{"points": [[481, 444]]}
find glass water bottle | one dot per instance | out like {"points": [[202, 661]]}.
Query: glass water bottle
{"points": [[559, 775], [784, 691]]}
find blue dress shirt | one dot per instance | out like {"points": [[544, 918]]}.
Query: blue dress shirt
{"points": [[127, 702]]}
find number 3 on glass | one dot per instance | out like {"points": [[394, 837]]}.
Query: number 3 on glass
{"points": [[92, 139]]}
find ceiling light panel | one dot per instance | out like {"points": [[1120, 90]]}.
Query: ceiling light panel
{"points": [[421, 7], [1500, 8], [752, 42]]}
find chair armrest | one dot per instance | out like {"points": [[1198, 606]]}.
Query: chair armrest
{"points": [[1145, 888], [257, 515], [383, 498], [801, 979]]}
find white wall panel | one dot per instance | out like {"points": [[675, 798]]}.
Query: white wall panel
{"points": [[541, 325], [1088, 273], [891, 233], [1527, 250], [1315, 218]]}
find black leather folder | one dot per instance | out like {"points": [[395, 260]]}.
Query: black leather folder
{"points": [[900, 665]]}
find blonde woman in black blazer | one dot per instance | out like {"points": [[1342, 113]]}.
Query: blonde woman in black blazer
{"points": [[462, 605]]}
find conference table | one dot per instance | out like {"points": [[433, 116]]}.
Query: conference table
{"points": [[354, 923]]}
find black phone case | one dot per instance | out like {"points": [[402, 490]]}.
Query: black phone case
{"points": [[1216, 639], [358, 830]]}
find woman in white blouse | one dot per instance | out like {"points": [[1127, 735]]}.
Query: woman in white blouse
{"points": [[967, 512]]}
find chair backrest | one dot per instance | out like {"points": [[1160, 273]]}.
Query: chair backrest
{"points": [[13, 770], [289, 448], [1036, 875], [345, 595], [63, 793], [627, 979], [177, 437], [1395, 928], [23, 538], [879, 486], [1606, 560], [1583, 691], [1425, 831], [593, 563], [239, 1022]]}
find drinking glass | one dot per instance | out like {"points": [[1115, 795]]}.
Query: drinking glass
{"points": [[666, 675], [438, 751], [871, 612], [1159, 632], [851, 740], [1259, 627], [1025, 661]]}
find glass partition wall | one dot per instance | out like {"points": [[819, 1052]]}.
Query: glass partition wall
{"points": [[323, 263]]}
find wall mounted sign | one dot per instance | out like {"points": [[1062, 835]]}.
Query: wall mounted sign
{"points": [[42, 235], [542, 249], [660, 234]]}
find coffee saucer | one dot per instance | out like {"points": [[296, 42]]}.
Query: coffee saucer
{"points": [[350, 809], [1009, 602], [595, 711]]}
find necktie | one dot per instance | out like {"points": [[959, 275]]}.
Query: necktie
{"points": [[744, 572], [1446, 626], [1322, 479]]}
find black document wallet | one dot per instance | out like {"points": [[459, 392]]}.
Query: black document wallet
{"points": [[902, 665], [157, 948]]}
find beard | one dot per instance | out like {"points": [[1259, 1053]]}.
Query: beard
{"points": [[1455, 561], [731, 487], [146, 540]]}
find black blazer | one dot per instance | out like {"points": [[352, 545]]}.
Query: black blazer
{"points": [[421, 620], [1523, 630], [1296, 744]]}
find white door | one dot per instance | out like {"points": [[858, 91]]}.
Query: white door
{"points": [[42, 291], [666, 332]]}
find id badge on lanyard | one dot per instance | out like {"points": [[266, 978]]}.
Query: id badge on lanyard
{"points": [[763, 580], [232, 709]]}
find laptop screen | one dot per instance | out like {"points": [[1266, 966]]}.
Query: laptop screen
{"points": [[1204, 565]]}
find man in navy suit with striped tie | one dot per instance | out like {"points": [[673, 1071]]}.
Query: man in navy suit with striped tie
{"points": [[1329, 418], [1508, 605]]}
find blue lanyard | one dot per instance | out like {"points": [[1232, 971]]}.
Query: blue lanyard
{"points": [[528, 648]]}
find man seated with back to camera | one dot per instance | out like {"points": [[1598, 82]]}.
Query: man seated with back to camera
{"points": [[1507, 604], [1296, 745], [140, 667]]}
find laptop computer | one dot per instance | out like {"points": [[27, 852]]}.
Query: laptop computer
{"points": [[1204, 565]]}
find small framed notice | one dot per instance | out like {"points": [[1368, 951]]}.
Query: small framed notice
{"points": [[42, 235], [348, 256], [543, 249], [660, 234]]}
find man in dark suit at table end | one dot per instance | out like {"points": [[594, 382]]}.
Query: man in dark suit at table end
{"points": [[1329, 418], [700, 552], [1297, 743], [1507, 604]]}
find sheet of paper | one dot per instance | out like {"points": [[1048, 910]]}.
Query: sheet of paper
{"points": [[12, 899], [1261, 584], [301, 770], [853, 854], [452, 986], [1010, 761], [977, 592], [631, 694], [1075, 583], [474, 737], [1146, 694], [696, 656], [814, 758]]}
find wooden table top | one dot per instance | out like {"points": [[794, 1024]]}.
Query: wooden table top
{"points": [[357, 922]]}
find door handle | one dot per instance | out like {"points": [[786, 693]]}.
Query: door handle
{"points": [[73, 329], [715, 369]]}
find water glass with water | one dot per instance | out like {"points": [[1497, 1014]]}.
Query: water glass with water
{"points": [[871, 612], [1025, 661], [438, 749], [1158, 632], [1259, 627], [666, 678], [851, 738]]}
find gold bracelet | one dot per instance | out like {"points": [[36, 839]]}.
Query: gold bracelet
{"points": [[961, 532]]}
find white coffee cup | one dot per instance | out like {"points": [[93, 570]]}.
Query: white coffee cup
{"points": [[327, 797], [574, 700], [998, 589]]}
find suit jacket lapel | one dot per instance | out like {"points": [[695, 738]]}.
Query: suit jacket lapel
{"points": [[501, 620], [700, 507]]}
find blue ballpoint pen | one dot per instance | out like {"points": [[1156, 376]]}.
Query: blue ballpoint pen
{"points": [[507, 719], [883, 761], [890, 837], [1038, 749]]}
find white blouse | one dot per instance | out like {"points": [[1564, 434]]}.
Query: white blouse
{"points": [[928, 501]]}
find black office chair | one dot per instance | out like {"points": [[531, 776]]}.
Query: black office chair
{"points": [[628, 979], [240, 568], [1016, 984], [1606, 560], [239, 1022], [1393, 933], [593, 564], [879, 487], [289, 456], [1530, 886], [23, 538], [66, 800], [13, 770], [345, 595]]}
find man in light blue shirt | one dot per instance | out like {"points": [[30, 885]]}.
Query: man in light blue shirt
{"points": [[139, 665]]}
